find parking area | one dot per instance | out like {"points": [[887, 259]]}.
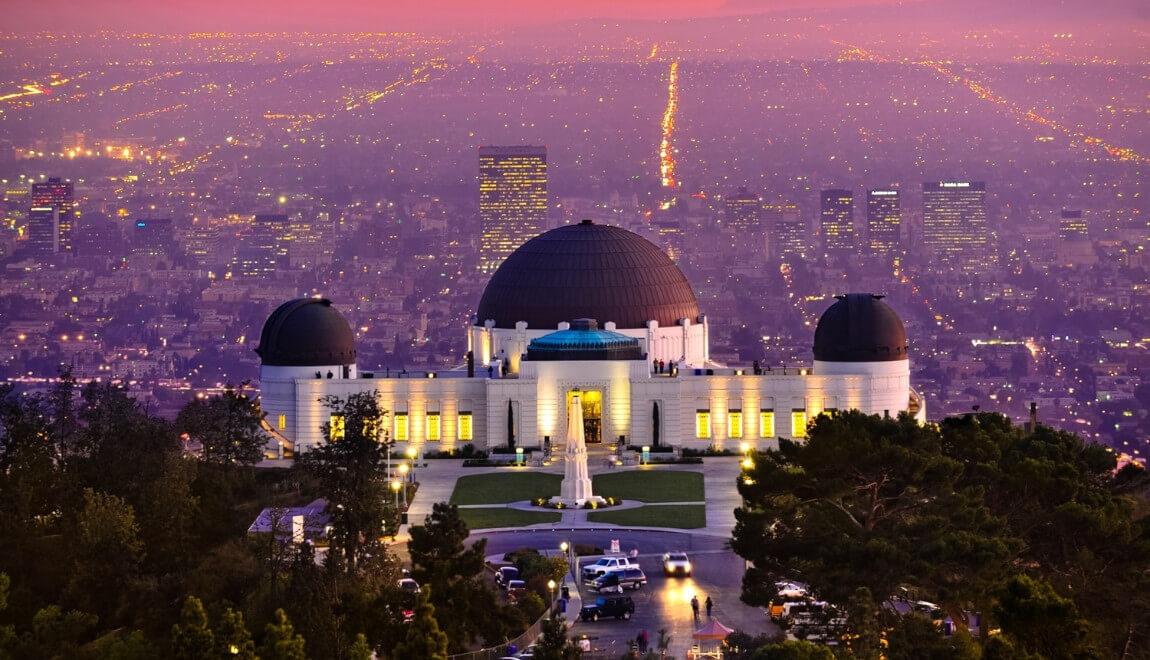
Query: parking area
{"points": [[665, 602]]}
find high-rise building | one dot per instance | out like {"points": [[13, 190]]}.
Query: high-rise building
{"points": [[512, 200], [1072, 226], [743, 212], [51, 218], [954, 228], [152, 235], [883, 220], [836, 221], [792, 238], [265, 247]]}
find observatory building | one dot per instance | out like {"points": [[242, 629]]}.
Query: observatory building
{"points": [[586, 311]]}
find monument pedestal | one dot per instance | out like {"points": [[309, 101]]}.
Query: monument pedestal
{"points": [[575, 490]]}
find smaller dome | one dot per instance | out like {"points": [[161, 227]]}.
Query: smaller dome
{"points": [[860, 327], [584, 341], [306, 332]]}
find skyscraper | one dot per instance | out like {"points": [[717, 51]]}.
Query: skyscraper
{"points": [[512, 200], [1072, 226], [883, 220], [743, 212], [51, 217], [954, 228], [836, 221], [265, 247]]}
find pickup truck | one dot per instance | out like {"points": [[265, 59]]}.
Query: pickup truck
{"points": [[606, 565]]}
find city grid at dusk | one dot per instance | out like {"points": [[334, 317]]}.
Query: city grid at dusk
{"points": [[732, 329]]}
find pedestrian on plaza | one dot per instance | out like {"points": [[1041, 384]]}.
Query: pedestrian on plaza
{"points": [[643, 641], [695, 606], [710, 606]]}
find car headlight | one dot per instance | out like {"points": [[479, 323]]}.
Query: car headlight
{"points": [[687, 566]]}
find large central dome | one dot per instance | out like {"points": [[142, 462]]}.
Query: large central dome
{"points": [[587, 271]]}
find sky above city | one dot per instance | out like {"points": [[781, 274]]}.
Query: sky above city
{"points": [[256, 15]]}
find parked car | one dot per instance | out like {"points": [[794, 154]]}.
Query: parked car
{"points": [[516, 589], [627, 578], [620, 607], [505, 574], [791, 590], [605, 565], [409, 586], [676, 563]]}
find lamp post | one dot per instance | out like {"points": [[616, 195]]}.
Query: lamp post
{"points": [[395, 486], [551, 590], [404, 468]]}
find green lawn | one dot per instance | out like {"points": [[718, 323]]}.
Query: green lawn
{"points": [[504, 487], [683, 516], [650, 485], [487, 517]]}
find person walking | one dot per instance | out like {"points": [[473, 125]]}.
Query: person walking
{"points": [[695, 606], [710, 606]]}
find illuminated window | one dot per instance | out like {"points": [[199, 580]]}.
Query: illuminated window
{"points": [[401, 434], [766, 423], [798, 423], [734, 423], [434, 426], [702, 424], [336, 422], [281, 423], [465, 429]]}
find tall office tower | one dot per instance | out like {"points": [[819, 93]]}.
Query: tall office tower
{"points": [[883, 221], [791, 232], [954, 228], [52, 217], [743, 212], [265, 247], [512, 200], [836, 221], [1072, 226], [153, 235]]}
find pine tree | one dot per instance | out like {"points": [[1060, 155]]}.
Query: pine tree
{"points": [[360, 650], [232, 637], [281, 641], [425, 641], [192, 639]]}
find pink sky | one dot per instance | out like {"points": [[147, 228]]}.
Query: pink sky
{"points": [[187, 15], [385, 15]]}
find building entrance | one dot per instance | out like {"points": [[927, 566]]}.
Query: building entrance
{"points": [[592, 403]]}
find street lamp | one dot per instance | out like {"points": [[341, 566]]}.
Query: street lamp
{"points": [[551, 589], [411, 452], [563, 546], [404, 468], [395, 486]]}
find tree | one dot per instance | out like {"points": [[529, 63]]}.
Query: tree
{"points": [[793, 650], [360, 649], [553, 643], [229, 427], [107, 552], [866, 502], [351, 469], [865, 640], [192, 638], [915, 637], [441, 560], [281, 641], [1040, 621], [232, 639], [424, 641]]}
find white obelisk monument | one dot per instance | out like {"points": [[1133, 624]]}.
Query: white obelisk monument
{"points": [[576, 487]]}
